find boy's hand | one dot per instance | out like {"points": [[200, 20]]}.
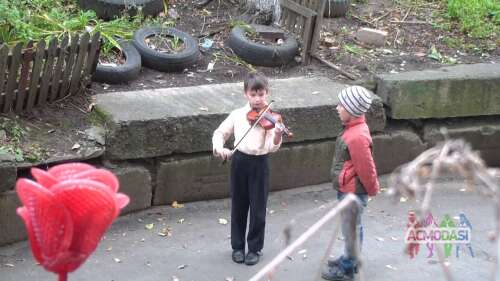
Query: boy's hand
{"points": [[277, 131], [225, 154]]}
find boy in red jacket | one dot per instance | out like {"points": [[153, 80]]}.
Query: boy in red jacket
{"points": [[353, 171]]}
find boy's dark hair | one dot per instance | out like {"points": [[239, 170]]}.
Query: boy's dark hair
{"points": [[255, 81]]}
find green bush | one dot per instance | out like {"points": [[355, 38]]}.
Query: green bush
{"points": [[478, 18], [25, 20]]}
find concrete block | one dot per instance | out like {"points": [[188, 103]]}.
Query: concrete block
{"points": [[163, 122], [8, 176], [12, 227], [203, 177], [483, 134], [456, 91], [371, 36], [394, 148], [135, 181]]}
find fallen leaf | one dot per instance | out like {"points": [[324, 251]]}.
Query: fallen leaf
{"points": [[117, 260], [176, 205], [149, 226], [166, 231], [222, 221]]}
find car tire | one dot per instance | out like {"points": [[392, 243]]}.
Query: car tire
{"points": [[260, 54], [336, 8], [120, 73], [109, 9], [164, 61]]}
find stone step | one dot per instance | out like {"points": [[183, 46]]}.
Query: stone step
{"points": [[456, 91], [159, 122]]}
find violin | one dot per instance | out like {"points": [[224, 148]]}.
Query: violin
{"points": [[268, 120]]}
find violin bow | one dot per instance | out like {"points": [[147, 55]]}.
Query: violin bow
{"points": [[249, 129]]}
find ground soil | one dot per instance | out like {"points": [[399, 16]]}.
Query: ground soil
{"points": [[412, 34]]}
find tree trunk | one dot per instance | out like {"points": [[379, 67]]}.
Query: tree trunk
{"points": [[261, 11]]}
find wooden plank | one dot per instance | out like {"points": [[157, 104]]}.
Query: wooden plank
{"points": [[58, 71], [64, 89], [307, 41], [4, 53], [92, 58], [77, 70], [47, 72], [291, 21], [317, 27], [35, 74], [27, 59], [298, 8], [12, 78]]}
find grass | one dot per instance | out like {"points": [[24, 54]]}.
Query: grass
{"points": [[478, 18], [25, 20]]}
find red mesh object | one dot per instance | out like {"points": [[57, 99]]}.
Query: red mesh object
{"points": [[66, 212]]}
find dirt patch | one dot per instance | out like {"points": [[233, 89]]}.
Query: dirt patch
{"points": [[414, 42]]}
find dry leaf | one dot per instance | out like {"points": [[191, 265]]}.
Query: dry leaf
{"points": [[182, 266], [176, 205], [149, 226], [166, 231], [222, 221]]}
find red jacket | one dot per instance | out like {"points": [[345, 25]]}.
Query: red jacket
{"points": [[353, 168]]}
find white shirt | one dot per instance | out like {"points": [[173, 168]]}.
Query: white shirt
{"points": [[257, 142]]}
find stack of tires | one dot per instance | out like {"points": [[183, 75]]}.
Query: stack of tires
{"points": [[137, 52]]}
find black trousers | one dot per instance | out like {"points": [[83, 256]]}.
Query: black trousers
{"points": [[249, 189]]}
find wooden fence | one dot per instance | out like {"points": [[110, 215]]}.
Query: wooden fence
{"points": [[303, 18], [31, 76]]}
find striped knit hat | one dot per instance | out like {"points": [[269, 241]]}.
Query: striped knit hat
{"points": [[356, 100]]}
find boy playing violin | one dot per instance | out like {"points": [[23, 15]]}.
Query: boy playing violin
{"points": [[249, 179]]}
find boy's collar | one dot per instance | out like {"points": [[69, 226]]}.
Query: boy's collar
{"points": [[356, 121]]}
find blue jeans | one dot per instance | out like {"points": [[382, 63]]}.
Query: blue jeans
{"points": [[351, 223]]}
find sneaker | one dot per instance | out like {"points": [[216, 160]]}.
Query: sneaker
{"points": [[238, 256], [337, 273], [252, 258], [335, 262]]}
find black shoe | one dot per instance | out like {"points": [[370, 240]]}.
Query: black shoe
{"points": [[251, 258], [238, 256], [337, 273], [335, 262]]}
